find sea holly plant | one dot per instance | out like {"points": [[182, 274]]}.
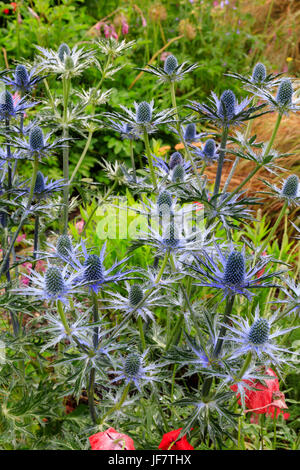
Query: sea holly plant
{"points": [[168, 328]]}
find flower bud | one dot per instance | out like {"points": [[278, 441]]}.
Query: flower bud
{"points": [[39, 186], [285, 92], [178, 174], [64, 246], [235, 269], [69, 63], [175, 159], [259, 331], [170, 64], [290, 187], [36, 139], [209, 148], [143, 113], [136, 295], [63, 51], [259, 73], [54, 282], [190, 132]]}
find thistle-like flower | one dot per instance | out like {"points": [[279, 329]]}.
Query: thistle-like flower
{"points": [[233, 278], [256, 338], [92, 271], [226, 111], [284, 101], [171, 72], [65, 62], [45, 188], [209, 154], [38, 144], [289, 192], [166, 170], [144, 119], [133, 369], [10, 107], [22, 81], [55, 284], [259, 79], [135, 295]]}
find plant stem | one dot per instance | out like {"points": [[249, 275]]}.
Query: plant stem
{"points": [[274, 429], [279, 117], [36, 236], [228, 309], [95, 318], [23, 218], [187, 152], [221, 160], [140, 325], [91, 393], [86, 147], [66, 92], [132, 160], [246, 365], [63, 318], [158, 278], [118, 405], [150, 161]]}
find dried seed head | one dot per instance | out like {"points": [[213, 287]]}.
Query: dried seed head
{"points": [[290, 187], [171, 64], [136, 295], [21, 76], [178, 174], [132, 365], [209, 148], [64, 246], [36, 139], [285, 92], [39, 186], [143, 113], [190, 132], [235, 269], [259, 73], [93, 269], [227, 104], [54, 282], [259, 331], [175, 159], [63, 51]]}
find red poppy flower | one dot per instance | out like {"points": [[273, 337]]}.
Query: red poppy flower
{"points": [[111, 440], [266, 399], [7, 11], [168, 441]]}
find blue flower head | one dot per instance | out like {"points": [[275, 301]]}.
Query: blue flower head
{"points": [[133, 370], [285, 93], [170, 65], [36, 139], [10, 108], [259, 73], [290, 187], [175, 159], [143, 112], [233, 278], [63, 51], [227, 105], [23, 81]]}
